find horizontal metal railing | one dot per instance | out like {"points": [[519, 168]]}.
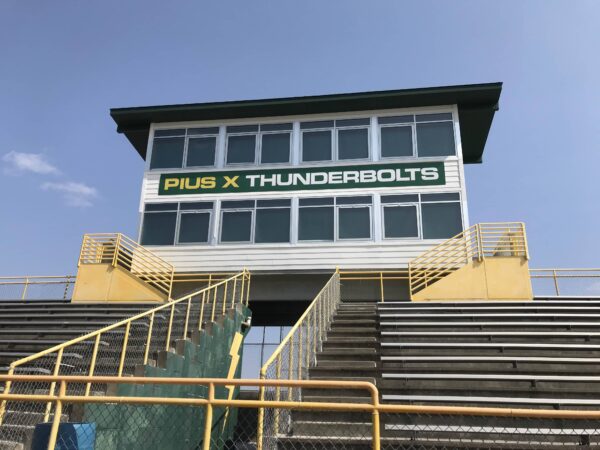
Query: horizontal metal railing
{"points": [[298, 350], [378, 276], [483, 240], [36, 287], [375, 412], [556, 275], [119, 250], [117, 348]]}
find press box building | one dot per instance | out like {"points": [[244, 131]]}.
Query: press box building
{"points": [[292, 188]]}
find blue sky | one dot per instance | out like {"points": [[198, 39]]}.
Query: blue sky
{"points": [[65, 171]]}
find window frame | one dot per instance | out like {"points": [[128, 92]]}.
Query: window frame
{"points": [[413, 132], [256, 145], [260, 148], [226, 210], [334, 131], [416, 205], [194, 211], [186, 138], [317, 206], [256, 208], [460, 205]]}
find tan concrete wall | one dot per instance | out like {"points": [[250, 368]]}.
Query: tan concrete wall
{"points": [[499, 278], [104, 283]]}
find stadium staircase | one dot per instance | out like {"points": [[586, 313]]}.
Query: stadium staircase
{"points": [[540, 354]]}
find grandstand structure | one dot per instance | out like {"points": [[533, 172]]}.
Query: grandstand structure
{"points": [[305, 276]]}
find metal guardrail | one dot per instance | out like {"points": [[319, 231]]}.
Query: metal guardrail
{"points": [[378, 428], [566, 274], [483, 240], [297, 352], [379, 277], [36, 287], [117, 348], [119, 250]]}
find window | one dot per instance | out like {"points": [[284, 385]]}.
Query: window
{"points": [[194, 146], [423, 135], [167, 149], [276, 142], [194, 222], [261, 221], [236, 221], [272, 221], [435, 135], [400, 218], [271, 141], [181, 223], [441, 215], [396, 135], [317, 218], [159, 224], [330, 140]]}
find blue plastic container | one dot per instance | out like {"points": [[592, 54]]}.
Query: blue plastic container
{"points": [[71, 436]]}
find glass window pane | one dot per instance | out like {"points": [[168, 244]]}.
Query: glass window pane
{"points": [[237, 204], [251, 362], [275, 148], [159, 228], [276, 127], [272, 203], [432, 117], [354, 223], [316, 145], [409, 198], [315, 224], [272, 225], [400, 221], [318, 124], [435, 139], [199, 131], [441, 220], [255, 335], [353, 143], [242, 128], [241, 149], [316, 201], [195, 206], [396, 119], [236, 226], [161, 207], [201, 151], [396, 141], [440, 197], [193, 227], [272, 335], [358, 200], [352, 122], [163, 133], [167, 153]]}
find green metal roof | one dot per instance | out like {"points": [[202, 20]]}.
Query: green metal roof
{"points": [[477, 104]]}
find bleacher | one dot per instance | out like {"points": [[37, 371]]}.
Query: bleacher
{"points": [[28, 327]]}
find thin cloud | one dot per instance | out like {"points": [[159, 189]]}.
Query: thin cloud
{"points": [[79, 195], [18, 162]]}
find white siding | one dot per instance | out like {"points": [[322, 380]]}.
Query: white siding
{"points": [[293, 258]]}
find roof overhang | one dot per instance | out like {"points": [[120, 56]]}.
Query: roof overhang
{"points": [[476, 103]]}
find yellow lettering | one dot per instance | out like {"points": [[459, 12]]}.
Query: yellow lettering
{"points": [[209, 183], [171, 183], [196, 185], [230, 181]]}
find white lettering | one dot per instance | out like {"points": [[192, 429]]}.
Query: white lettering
{"points": [[318, 178], [335, 177], [430, 173], [381, 175], [412, 172], [368, 176], [351, 176], [252, 179]]}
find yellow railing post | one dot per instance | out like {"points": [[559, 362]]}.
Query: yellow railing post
{"points": [[480, 254], [7, 386], [261, 413], [124, 349], [24, 294], [248, 288], [225, 298], [170, 328], [62, 390], [209, 418], [524, 237], [555, 282], [116, 250], [187, 318], [214, 305], [149, 338], [381, 286], [93, 363], [53, 384]]}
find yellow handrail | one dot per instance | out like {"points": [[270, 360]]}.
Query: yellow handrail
{"points": [[371, 405], [381, 276], [142, 329], [297, 351], [483, 240], [117, 249], [556, 274]]}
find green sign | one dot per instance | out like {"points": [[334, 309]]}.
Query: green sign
{"points": [[304, 178]]}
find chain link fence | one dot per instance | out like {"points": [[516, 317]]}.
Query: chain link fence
{"points": [[119, 350]]}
